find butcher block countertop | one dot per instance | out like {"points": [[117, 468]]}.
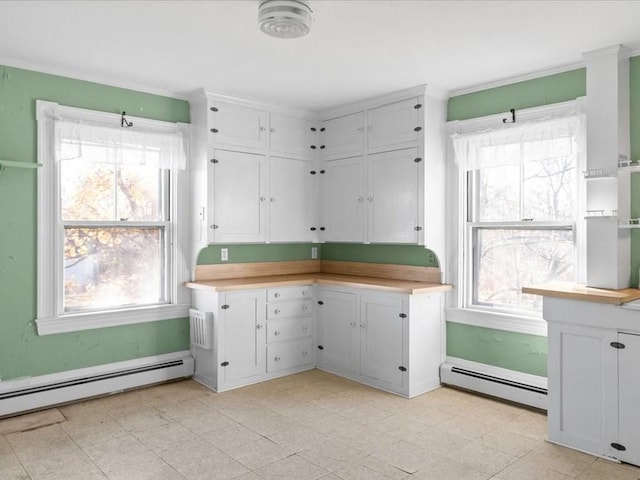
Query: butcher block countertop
{"points": [[574, 291], [413, 280]]}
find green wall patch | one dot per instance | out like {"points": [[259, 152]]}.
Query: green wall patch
{"points": [[377, 253], [248, 253], [556, 88], [22, 352], [514, 351]]}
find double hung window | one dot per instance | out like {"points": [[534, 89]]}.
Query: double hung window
{"points": [[520, 188], [109, 220]]}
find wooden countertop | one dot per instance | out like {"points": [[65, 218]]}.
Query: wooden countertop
{"points": [[574, 291], [382, 284]]}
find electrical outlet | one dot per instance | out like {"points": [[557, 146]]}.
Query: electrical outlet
{"points": [[314, 252], [224, 254]]}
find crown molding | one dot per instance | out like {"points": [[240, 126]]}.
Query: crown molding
{"points": [[87, 77]]}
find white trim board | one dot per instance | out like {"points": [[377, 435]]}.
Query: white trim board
{"points": [[497, 321]]}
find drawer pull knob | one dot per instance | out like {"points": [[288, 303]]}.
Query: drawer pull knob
{"points": [[304, 307], [276, 311], [305, 353], [277, 294], [305, 328], [259, 326], [276, 333], [353, 324], [276, 358], [305, 293]]}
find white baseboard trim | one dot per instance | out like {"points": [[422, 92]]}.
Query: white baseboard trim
{"points": [[498, 382], [33, 393]]}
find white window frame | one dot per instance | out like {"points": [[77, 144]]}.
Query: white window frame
{"points": [[459, 231], [51, 318]]}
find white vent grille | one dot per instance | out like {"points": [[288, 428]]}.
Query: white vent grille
{"points": [[200, 328]]}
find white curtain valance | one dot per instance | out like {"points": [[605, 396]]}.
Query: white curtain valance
{"points": [[519, 143], [119, 146]]}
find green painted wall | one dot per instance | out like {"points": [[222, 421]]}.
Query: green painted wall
{"points": [[22, 352], [635, 155], [353, 252], [514, 351], [556, 88]]}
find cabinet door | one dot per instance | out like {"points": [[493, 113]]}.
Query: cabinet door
{"points": [[343, 204], [342, 136], [238, 126], [337, 331], [394, 197], [242, 335], [292, 135], [583, 386], [393, 126], [629, 398], [238, 197], [290, 200], [382, 333]]}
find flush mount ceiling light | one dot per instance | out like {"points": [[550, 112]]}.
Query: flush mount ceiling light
{"points": [[284, 18]]}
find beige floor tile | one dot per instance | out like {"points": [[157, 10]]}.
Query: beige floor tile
{"points": [[199, 460], [230, 437], [604, 470], [165, 436], [478, 457], [399, 426], [298, 436], [560, 459], [140, 417], [293, 467], [524, 470], [509, 442], [465, 426], [152, 470], [447, 469], [528, 424], [10, 466], [407, 457], [383, 468], [330, 423], [120, 453], [438, 441], [429, 415], [259, 453], [332, 454], [359, 472], [29, 446], [84, 413], [248, 476], [69, 462], [365, 438]]}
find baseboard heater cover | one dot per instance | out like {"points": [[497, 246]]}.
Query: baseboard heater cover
{"points": [[123, 375], [499, 386]]}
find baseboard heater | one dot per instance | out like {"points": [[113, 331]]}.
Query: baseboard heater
{"points": [[524, 389], [24, 395]]}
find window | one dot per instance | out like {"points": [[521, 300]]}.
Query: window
{"points": [[110, 240], [520, 194]]}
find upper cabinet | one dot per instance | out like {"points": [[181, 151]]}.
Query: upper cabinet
{"points": [[342, 136], [237, 126], [292, 135], [394, 125]]}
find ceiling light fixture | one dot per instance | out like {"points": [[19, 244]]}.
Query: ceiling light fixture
{"points": [[285, 18]]}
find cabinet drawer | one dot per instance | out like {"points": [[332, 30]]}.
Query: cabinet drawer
{"points": [[289, 293], [281, 356], [289, 309], [288, 329]]}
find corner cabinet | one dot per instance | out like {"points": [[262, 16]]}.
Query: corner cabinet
{"points": [[389, 341], [252, 173], [383, 170], [594, 381]]}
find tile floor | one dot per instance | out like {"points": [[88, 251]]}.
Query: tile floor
{"points": [[303, 427]]}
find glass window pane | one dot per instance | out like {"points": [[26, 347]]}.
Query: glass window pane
{"points": [[499, 194], [506, 260], [87, 190], [139, 193], [550, 189], [110, 267]]}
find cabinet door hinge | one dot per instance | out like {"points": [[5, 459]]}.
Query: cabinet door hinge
{"points": [[313, 147], [617, 446], [214, 109], [417, 160], [312, 172], [320, 347], [214, 130], [417, 129], [322, 129], [402, 369], [214, 160], [224, 307], [322, 172], [617, 345], [224, 364], [320, 302], [403, 315], [313, 129], [417, 106], [213, 227], [417, 229]]}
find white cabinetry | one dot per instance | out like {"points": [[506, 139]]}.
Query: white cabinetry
{"points": [[255, 339], [390, 341], [251, 173], [594, 383], [383, 163]]}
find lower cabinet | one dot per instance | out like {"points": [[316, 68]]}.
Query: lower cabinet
{"points": [[594, 380], [390, 341]]}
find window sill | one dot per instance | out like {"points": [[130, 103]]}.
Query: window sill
{"points": [[111, 318], [499, 321]]}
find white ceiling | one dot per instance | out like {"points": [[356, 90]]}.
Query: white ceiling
{"points": [[356, 49]]}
